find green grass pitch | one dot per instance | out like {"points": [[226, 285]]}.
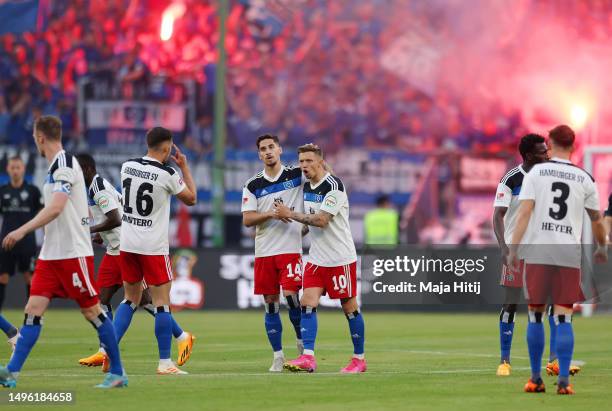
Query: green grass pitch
{"points": [[416, 362]]}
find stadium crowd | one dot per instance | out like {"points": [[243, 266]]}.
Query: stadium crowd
{"points": [[307, 70]]}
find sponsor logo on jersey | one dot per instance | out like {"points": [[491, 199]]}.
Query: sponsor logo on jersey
{"points": [[331, 201]]}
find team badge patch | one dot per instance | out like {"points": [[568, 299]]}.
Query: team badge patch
{"points": [[331, 201]]}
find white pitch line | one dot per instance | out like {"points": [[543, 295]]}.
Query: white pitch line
{"points": [[275, 375]]}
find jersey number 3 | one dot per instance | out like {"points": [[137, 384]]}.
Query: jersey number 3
{"points": [[559, 200], [144, 202]]}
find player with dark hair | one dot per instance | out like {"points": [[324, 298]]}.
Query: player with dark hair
{"points": [[553, 198], [533, 150], [19, 203], [65, 265], [148, 186], [105, 206], [278, 242], [333, 260]]}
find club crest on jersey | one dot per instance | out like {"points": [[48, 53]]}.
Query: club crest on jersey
{"points": [[288, 184], [500, 196], [245, 200], [24, 195]]}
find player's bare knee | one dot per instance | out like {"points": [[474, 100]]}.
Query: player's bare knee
{"points": [[160, 294], [36, 306], [4, 278], [563, 310], [309, 301], [538, 308], [146, 298], [510, 308], [133, 292], [349, 305], [90, 313], [271, 298], [106, 294]]}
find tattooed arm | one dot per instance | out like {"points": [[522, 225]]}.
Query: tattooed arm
{"points": [[321, 219]]}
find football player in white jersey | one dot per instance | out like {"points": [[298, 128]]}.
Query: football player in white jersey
{"points": [[553, 199], [148, 186], [105, 206], [533, 150], [65, 264], [333, 260], [278, 243]]}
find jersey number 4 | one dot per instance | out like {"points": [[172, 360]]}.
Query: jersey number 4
{"points": [[144, 202], [559, 200], [76, 281]]}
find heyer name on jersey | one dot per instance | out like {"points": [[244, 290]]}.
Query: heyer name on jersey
{"points": [[559, 228]]}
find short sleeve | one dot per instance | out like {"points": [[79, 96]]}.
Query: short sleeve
{"points": [[65, 174], [591, 200], [333, 202], [609, 210], [106, 201], [503, 196], [175, 183], [249, 201], [528, 188]]}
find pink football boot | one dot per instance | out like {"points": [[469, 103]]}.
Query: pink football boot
{"points": [[355, 366], [302, 363]]}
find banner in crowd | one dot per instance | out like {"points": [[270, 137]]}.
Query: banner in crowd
{"points": [[367, 175], [126, 122], [481, 174]]}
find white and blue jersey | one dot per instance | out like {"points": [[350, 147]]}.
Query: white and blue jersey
{"points": [[68, 235], [259, 194], [103, 198], [331, 246], [507, 196]]}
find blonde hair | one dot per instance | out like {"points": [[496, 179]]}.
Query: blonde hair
{"points": [[310, 148]]}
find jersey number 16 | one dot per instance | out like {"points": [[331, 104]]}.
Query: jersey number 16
{"points": [[144, 201]]}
